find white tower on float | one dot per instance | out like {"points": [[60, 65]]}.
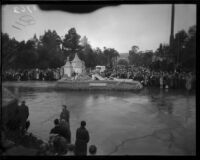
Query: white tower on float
{"points": [[78, 65], [67, 68]]}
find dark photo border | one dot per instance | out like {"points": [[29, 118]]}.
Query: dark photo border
{"points": [[88, 6]]}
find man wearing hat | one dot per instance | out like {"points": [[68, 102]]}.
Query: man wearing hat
{"points": [[65, 114]]}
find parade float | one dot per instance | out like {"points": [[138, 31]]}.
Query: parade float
{"points": [[74, 77]]}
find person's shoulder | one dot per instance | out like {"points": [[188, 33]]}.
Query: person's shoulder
{"points": [[78, 128], [86, 130], [52, 130], [55, 129]]}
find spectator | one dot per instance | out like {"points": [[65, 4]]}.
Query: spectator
{"points": [[161, 81], [71, 150], [56, 129], [24, 114], [82, 138], [65, 130], [59, 145], [14, 123], [92, 150], [65, 114], [44, 150]]}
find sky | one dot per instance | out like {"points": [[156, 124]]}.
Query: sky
{"points": [[118, 27]]}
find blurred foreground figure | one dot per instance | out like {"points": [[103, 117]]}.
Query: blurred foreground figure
{"points": [[92, 150], [58, 145], [82, 138], [65, 130], [24, 113], [44, 150], [5, 143], [71, 149], [65, 114]]}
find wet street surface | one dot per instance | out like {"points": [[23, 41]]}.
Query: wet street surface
{"points": [[147, 122]]}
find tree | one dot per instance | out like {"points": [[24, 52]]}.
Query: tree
{"points": [[134, 49], [51, 39], [35, 40], [71, 44], [89, 56], [147, 58], [49, 50], [26, 55], [133, 57], [188, 57], [179, 45], [159, 52], [9, 52], [111, 56], [99, 57], [84, 41], [123, 62], [182, 51]]}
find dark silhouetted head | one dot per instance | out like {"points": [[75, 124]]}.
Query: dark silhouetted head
{"points": [[64, 106], [56, 121], [92, 149], [83, 123]]}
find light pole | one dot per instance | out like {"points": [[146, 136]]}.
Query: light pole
{"points": [[172, 25], [171, 42]]}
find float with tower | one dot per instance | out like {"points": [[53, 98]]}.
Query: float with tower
{"points": [[74, 77]]}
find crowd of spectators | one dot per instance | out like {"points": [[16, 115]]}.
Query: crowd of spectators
{"points": [[32, 74], [177, 79], [165, 79]]}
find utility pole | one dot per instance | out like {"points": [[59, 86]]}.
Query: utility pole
{"points": [[172, 26], [171, 40]]}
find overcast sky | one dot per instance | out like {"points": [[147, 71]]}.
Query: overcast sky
{"points": [[117, 27]]}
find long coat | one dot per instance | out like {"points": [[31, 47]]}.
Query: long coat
{"points": [[65, 129], [65, 115], [82, 138], [24, 113]]}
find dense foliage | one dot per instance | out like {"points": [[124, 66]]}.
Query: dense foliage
{"points": [[140, 58], [50, 51], [123, 62], [181, 54]]}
